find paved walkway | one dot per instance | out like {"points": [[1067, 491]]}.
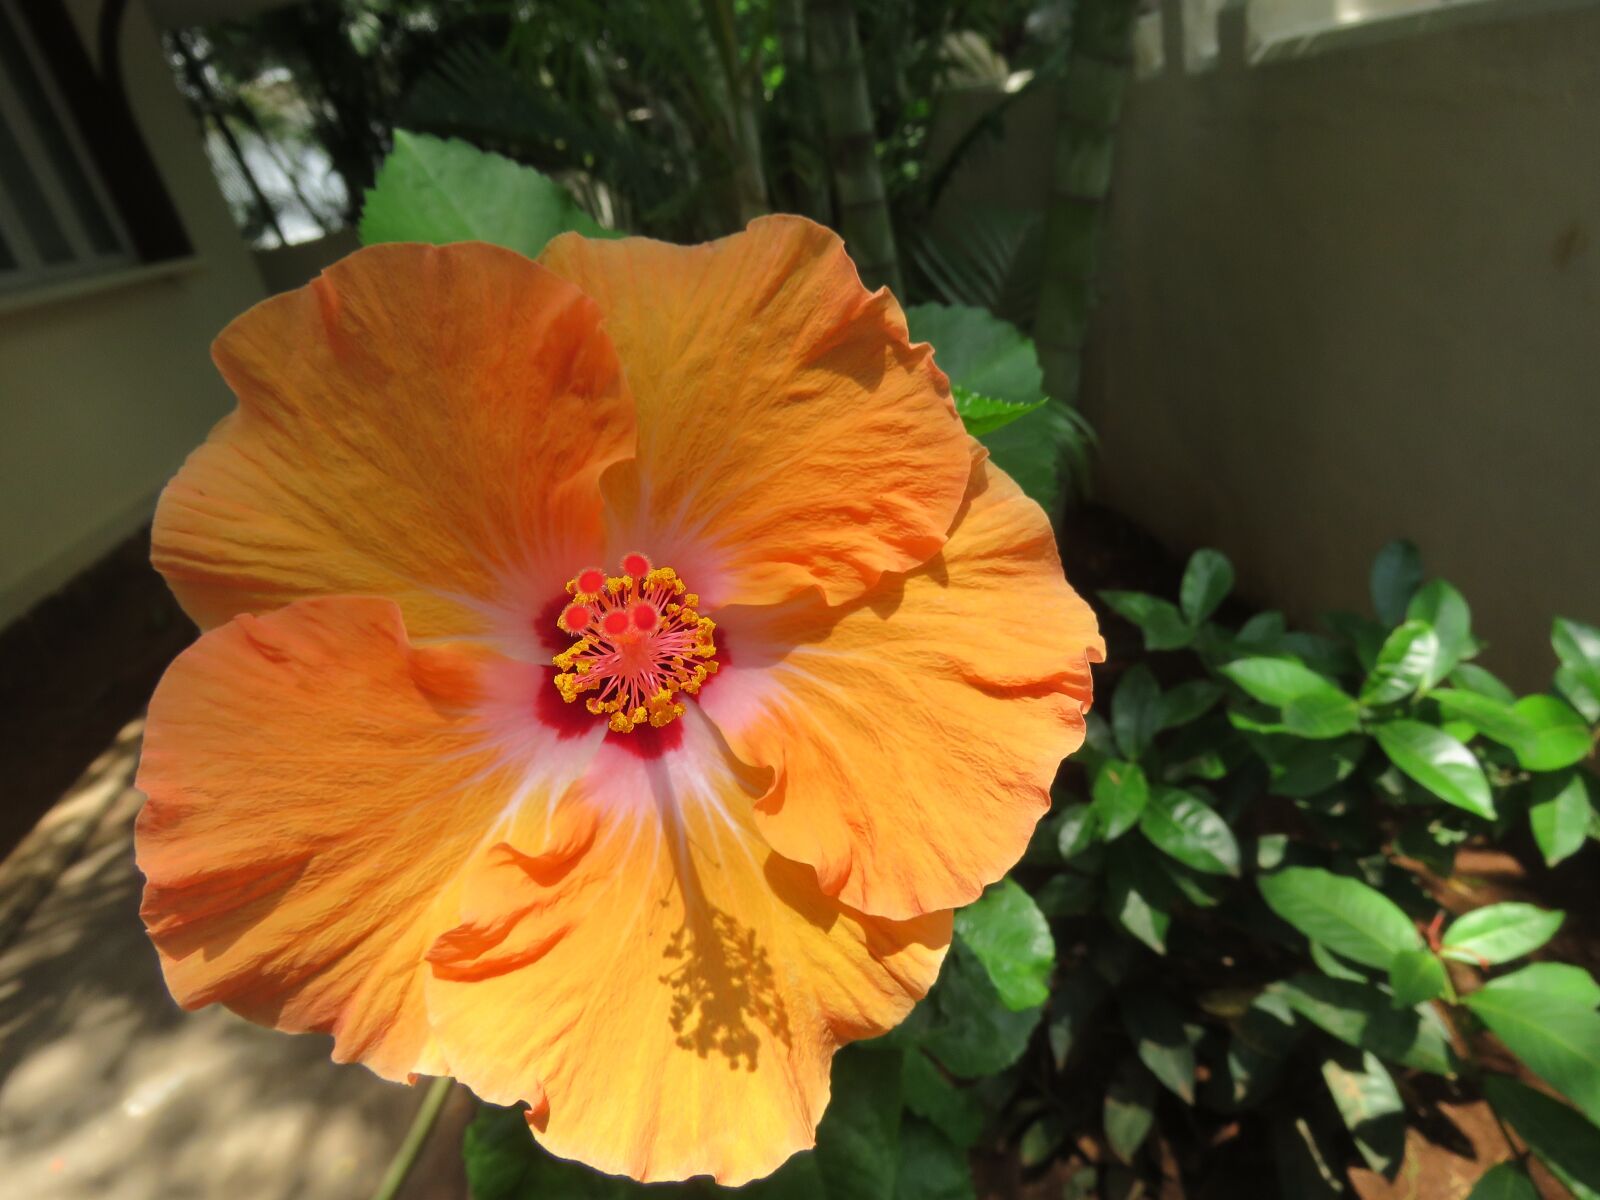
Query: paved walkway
{"points": [[109, 1091]]}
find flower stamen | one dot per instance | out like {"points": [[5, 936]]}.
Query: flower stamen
{"points": [[639, 643]]}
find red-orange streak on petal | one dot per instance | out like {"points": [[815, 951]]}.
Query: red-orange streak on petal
{"points": [[416, 423], [790, 435]]}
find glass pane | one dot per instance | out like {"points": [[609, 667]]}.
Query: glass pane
{"points": [[46, 124], [16, 177]]}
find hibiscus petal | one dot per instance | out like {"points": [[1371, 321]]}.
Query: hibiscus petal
{"points": [[917, 732], [420, 422], [664, 991], [790, 436], [314, 787]]}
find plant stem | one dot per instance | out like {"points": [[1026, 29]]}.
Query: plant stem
{"points": [[841, 81], [416, 1137]]}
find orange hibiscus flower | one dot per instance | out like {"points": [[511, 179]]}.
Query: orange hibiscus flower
{"points": [[616, 668]]}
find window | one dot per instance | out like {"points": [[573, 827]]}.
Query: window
{"points": [[62, 213]]}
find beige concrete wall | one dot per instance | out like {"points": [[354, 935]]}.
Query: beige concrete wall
{"points": [[1353, 296], [106, 385], [1358, 296]]}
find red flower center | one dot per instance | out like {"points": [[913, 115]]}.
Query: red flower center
{"points": [[638, 643]]}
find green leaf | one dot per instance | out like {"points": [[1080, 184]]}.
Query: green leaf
{"points": [[1396, 575], [1365, 636], [1504, 1181], [1011, 938], [1163, 625], [1544, 732], [1076, 829], [1072, 1007], [1298, 767], [1342, 913], [956, 1111], [1407, 659], [1560, 1137], [1559, 814], [438, 191], [1031, 450], [1065, 894], [1367, 1099], [1160, 1040], [1130, 1108], [1498, 933], [980, 351], [1329, 963], [1416, 976], [970, 1030], [1362, 1016], [1120, 794], [1259, 1048], [1445, 611], [931, 1167], [1438, 762], [1553, 1031], [1313, 706], [1186, 702], [858, 1141], [984, 414], [1136, 898], [1473, 678], [1207, 580], [1179, 823], [1556, 735], [1578, 647], [1135, 711]]}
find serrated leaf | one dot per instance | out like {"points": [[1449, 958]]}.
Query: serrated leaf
{"points": [[1558, 1135], [1011, 938], [1362, 1016], [1416, 976], [1559, 812], [436, 190], [1182, 825], [1207, 580], [984, 414], [1409, 657], [1342, 913], [1498, 933], [1437, 761], [1396, 575], [1553, 1031], [1130, 1108]]}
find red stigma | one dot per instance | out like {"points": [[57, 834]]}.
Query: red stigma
{"points": [[591, 581], [574, 618], [615, 622], [645, 617], [636, 565]]}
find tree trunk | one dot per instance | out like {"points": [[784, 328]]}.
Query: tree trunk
{"points": [[1086, 126], [841, 83], [808, 179]]}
